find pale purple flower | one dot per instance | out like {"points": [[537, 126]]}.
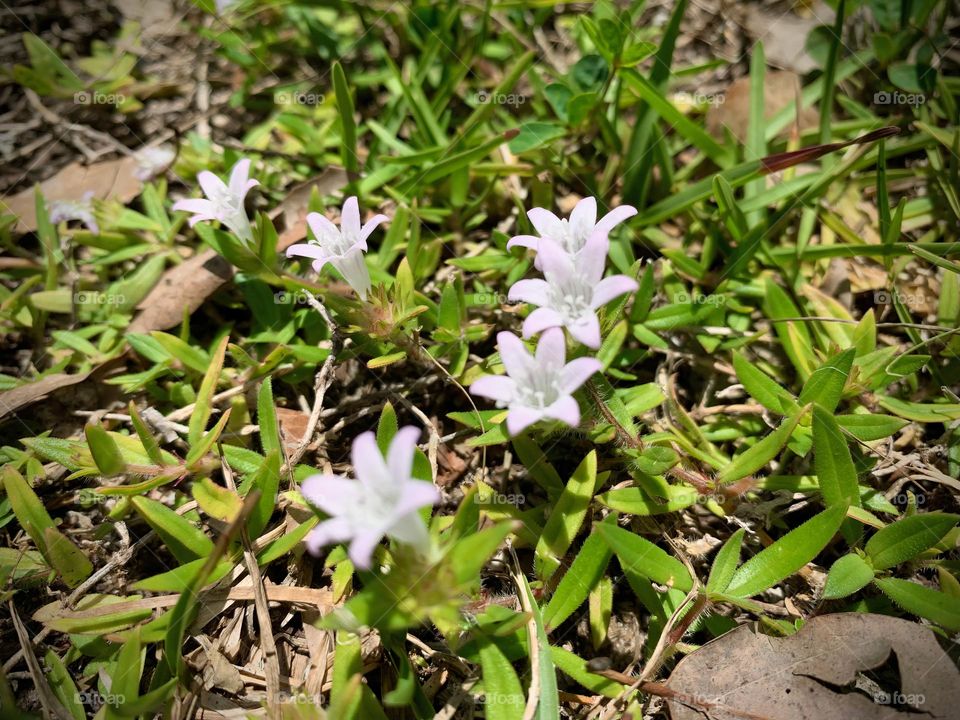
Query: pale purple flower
{"points": [[342, 247], [383, 500], [224, 201], [572, 290], [82, 210], [153, 160], [571, 235], [536, 386]]}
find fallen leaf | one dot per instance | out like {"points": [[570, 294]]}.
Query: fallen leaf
{"points": [[824, 672], [110, 179], [293, 424], [779, 90]]}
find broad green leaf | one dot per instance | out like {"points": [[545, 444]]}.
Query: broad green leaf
{"points": [[847, 575], [645, 558], [825, 385], [870, 426], [928, 603], [906, 538], [787, 555], [182, 538], [104, 450], [756, 457], [832, 461], [502, 690], [216, 501], [566, 517], [725, 563], [583, 574]]}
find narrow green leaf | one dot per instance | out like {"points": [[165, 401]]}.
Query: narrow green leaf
{"points": [[645, 558], [906, 538], [66, 558], [104, 450], [267, 418], [928, 603], [787, 555], [348, 126], [725, 563], [832, 461], [566, 517], [756, 457], [583, 574], [504, 698], [204, 403], [825, 385], [847, 575], [182, 538]]}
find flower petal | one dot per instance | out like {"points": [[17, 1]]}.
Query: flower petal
{"points": [[592, 259], [194, 205], [496, 387], [576, 372], [514, 355], [329, 532], [557, 265], [410, 530], [586, 330], [583, 218], [211, 184], [565, 410], [331, 493], [612, 287], [545, 222], [354, 271], [533, 291], [613, 218], [552, 349], [368, 463], [520, 417], [350, 218], [238, 178], [416, 494], [370, 226], [323, 229], [527, 241], [308, 250], [400, 452], [541, 319], [362, 546]]}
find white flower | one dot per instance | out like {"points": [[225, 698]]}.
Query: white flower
{"points": [[82, 210], [224, 202], [573, 289], [383, 500], [536, 387], [151, 161], [571, 235], [342, 247]]}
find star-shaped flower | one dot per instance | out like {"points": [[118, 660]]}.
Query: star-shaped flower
{"points": [[342, 247], [571, 235], [383, 500], [224, 202], [572, 290], [536, 386], [82, 210], [151, 161]]}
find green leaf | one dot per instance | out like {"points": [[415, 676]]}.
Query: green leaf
{"points": [[756, 457], [182, 538], [825, 385], [266, 479], [125, 679], [580, 578], [928, 603], [387, 427], [832, 461], [30, 512], [566, 517], [62, 685], [908, 537], [216, 501], [504, 695], [66, 558], [267, 418], [763, 388], [645, 558], [150, 445], [847, 575], [870, 426], [204, 403], [104, 450], [787, 555], [348, 126], [725, 563], [548, 701]]}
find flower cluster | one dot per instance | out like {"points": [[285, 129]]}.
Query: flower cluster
{"points": [[572, 256]]}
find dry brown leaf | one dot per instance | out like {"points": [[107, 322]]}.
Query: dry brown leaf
{"points": [[812, 675], [293, 424], [110, 179], [733, 114], [15, 398]]}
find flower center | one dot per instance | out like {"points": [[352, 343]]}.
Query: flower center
{"points": [[337, 244], [572, 298], [540, 389], [569, 239]]}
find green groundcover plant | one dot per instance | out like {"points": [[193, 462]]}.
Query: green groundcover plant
{"points": [[473, 373]]}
